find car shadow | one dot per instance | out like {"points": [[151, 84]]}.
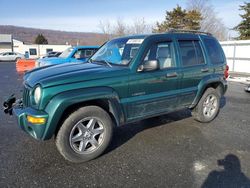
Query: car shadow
{"points": [[230, 176], [124, 133]]}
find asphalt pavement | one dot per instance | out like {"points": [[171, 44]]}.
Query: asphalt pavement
{"points": [[167, 151]]}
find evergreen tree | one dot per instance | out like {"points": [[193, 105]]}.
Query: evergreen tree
{"points": [[179, 18], [244, 26], [193, 20], [40, 39]]}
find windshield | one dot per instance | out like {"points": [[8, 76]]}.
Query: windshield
{"points": [[118, 51], [66, 52]]}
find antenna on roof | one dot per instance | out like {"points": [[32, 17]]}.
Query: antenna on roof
{"points": [[172, 30]]}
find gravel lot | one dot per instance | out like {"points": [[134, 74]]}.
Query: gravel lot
{"points": [[167, 151]]}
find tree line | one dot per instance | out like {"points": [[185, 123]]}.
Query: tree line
{"points": [[198, 15]]}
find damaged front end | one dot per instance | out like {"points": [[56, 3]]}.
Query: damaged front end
{"points": [[10, 103]]}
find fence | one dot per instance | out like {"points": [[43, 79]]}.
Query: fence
{"points": [[238, 55]]}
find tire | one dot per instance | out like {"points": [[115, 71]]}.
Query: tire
{"points": [[208, 107], [17, 59], [85, 134]]}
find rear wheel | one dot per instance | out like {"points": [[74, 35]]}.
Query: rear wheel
{"points": [[208, 107], [85, 134]]}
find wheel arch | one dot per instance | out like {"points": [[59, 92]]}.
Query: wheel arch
{"points": [[216, 82], [65, 103]]}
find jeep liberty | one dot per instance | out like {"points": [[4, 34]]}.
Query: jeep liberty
{"points": [[128, 79]]}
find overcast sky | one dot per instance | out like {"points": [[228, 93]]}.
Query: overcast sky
{"points": [[85, 15]]}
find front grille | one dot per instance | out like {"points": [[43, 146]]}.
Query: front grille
{"points": [[26, 96]]}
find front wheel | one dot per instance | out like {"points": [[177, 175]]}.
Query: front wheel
{"points": [[85, 134], [208, 107]]}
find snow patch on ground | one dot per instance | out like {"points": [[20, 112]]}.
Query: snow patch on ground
{"points": [[244, 80]]}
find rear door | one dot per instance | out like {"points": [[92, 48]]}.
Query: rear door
{"points": [[193, 68], [155, 92]]}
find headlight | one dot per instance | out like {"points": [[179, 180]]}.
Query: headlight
{"points": [[37, 94]]}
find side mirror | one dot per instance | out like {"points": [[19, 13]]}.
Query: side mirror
{"points": [[149, 65]]}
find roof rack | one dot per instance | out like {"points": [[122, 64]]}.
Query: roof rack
{"points": [[187, 31]]}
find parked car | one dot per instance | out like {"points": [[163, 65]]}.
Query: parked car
{"points": [[51, 54], [76, 54], [11, 56], [247, 88], [128, 79]]}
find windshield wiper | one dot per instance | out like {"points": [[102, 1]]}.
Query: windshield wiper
{"points": [[105, 61]]}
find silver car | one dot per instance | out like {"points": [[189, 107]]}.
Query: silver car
{"points": [[10, 56]]}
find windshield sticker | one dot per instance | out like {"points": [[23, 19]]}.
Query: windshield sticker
{"points": [[135, 41]]}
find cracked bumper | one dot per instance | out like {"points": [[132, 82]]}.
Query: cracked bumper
{"points": [[35, 130]]}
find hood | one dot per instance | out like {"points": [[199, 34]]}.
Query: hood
{"points": [[71, 73], [52, 60]]}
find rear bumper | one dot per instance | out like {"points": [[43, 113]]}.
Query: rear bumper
{"points": [[35, 130]]}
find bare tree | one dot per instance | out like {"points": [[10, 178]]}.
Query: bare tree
{"points": [[140, 26], [106, 29], [210, 21], [120, 28]]}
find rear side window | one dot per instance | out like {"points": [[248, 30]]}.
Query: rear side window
{"points": [[191, 53], [214, 51]]}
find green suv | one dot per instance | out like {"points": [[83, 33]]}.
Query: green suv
{"points": [[128, 79]]}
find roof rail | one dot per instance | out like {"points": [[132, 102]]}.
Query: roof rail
{"points": [[187, 31]]}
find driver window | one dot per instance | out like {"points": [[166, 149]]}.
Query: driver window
{"points": [[79, 54], [163, 53]]}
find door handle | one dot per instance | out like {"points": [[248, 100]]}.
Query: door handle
{"points": [[205, 70], [172, 75]]}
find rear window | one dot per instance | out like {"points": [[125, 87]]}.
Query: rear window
{"points": [[214, 51], [191, 53]]}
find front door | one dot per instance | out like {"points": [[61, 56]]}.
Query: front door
{"points": [[155, 92]]}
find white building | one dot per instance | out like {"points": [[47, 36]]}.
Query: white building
{"points": [[5, 43], [36, 50]]}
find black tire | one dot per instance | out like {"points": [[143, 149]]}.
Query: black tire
{"points": [[199, 111], [64, 141]]}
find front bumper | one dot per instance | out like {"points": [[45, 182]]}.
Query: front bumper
{"points": [[21, 113], [35, 130]]}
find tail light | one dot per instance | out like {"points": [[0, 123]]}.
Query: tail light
{"points": [[226, 72]]}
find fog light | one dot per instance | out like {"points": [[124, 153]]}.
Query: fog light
{"points": [[36, 120]]}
